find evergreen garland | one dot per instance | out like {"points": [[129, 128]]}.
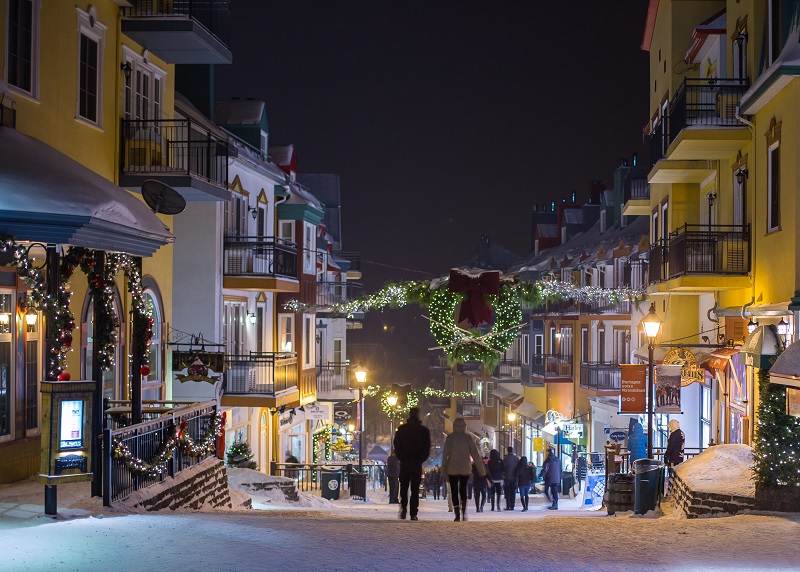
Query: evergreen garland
{"points": [[777, 446]]}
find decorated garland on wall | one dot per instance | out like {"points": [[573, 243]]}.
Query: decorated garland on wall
{"points": [[485, 297], [177, 437], [413, 398], [100, 278]]}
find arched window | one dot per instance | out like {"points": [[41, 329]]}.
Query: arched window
{"points": [[153, 383], [113, 385]]}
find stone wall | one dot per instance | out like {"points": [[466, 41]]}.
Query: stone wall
{"points": [[694, 503], [203, 485], [779, 499]]}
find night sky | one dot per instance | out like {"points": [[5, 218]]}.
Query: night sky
{"points": [[445, 120]]}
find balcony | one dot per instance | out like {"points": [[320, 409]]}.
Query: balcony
{"points": [[332, 383], [556, 307], [551, 368], [701, 126], [354, 272], [702, 258], [181, 31], [636, 198], [600, 376], [468, 408], [178, 152], [331, 293], [605, 307], [259, 263], [259, 378], [510, 369]]}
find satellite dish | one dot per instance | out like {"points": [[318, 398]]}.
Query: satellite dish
{"points": [[162, 198]]}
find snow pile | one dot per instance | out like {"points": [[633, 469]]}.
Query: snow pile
{"points": [[249, 479], [721, 469]]}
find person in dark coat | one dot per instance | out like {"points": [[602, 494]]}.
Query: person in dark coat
{"points": [[435, 479], [412, 443], [551, 471], [494, 468], [392, 474], [525, 474], [510, 463], [637, 443], [674, 454], [479, 486]]}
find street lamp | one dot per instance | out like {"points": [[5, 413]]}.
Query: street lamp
{"points": [[651, 324], [361, 377], [391, 400], [511, 418]]}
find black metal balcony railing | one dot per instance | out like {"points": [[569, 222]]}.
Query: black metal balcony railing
{"points": [[329, 293], [8, 116], [332, 377], [259, 256], [605, 307], [509, 367], [700, 249], [468, 408], [551, 366], [173, 147], [555, 307], [709, 102], [636, 189], [260, 373], [214, 15], [600, 376]]}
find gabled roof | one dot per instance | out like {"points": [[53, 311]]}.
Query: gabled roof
{"points": [[239, 112]]}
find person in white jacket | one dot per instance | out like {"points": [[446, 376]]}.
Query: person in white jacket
{"points": [[460, 450]]}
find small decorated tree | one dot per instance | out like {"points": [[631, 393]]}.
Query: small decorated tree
{"points": [[240, 455], [777, 446]]}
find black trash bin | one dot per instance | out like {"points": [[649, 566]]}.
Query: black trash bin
{"points": [[647, 484], [357, 482], [330, 482], [567, 482]]}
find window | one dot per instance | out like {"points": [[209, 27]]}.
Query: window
{"points": [[664, 221], [33, 373], [740, 56], [526, 348], [775, 30], [153, 383], [538, 344], [489, 395], [22, 45], [654, 229], [308, 335], [584, 344], [739, 194], [144, 94], [234, 314], [601, 345], [91, 41], [338, 352], [286, 230], [7, 389], [705, 415], [285, 332], [309, 249], [236, 216], [260, 310], [774, 190], [566, 341], [113, 387]]}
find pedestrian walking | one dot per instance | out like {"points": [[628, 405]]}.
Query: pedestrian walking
{"points": [[510, 463], [436, 482], [479, 485], [412, 443], [458, 455], [525, 475], [392, 476], [673, 456], [494, 467], [551, 470]]}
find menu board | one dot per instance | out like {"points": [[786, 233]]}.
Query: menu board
{"points": [[71, 430]]}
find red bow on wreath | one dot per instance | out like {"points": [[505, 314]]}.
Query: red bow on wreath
{"points": [[474, 308]]}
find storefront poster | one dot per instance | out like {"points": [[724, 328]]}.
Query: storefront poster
{"points": [[633, 388], [668, 389], [595, 487], [71, 433]]}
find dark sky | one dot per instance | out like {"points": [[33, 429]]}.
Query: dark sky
{"points": [[445, 120]]}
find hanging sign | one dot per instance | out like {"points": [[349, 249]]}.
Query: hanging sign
{"points": [[573, 429], [668, 389], [317, 412], [793, 402], [690, 371], [633, 388]]}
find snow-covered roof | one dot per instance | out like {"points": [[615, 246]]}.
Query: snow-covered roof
{"points": [[239, 112]]}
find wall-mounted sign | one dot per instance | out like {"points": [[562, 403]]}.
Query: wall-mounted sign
{"points": [[317, 412], [574, 429], [633, 388], [690, 371], [793, 401], [538, 444], [668, 389], [618, 435]]}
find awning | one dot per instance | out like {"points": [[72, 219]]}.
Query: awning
{"points": [[658, 353], [762, 345], [45, 196], [504, 394], [529, 411], [786, 369], [719, 358]]}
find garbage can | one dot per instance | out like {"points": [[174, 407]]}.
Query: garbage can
{"points": [[567, 482], [330, 482], [647, 484], [357, 482]]}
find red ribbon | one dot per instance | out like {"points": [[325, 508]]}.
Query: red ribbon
{"points": [[474, 308]]}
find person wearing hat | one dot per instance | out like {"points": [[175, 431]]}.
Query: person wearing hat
{"points": [[412, 444]]}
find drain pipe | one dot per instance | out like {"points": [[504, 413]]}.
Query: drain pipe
{"points": [[750, 303], [713, 310]]}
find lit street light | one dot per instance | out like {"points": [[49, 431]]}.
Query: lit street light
{"points": [[651, 324], [361, 377], [511, 418], [392, 401]]}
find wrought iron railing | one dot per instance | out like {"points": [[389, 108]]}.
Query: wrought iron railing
{"points": [[8, 115], [551, 366], [330, 293], [144, 441], [307, 475], [260, 373], [637, 189], [214, 15], [509, 367], [468, 408], [600, 376], [657, 262], [173, 147], [259, 256], [332, 377], [717, 249]]}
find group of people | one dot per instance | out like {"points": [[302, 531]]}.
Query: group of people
{"points": [[462, 465]]}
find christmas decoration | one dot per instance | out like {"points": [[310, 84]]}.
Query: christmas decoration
{"points": [[776, 450], [144, 370], [197, 371], [474, 308], [240, 455], [64, 376], [413, 398]]}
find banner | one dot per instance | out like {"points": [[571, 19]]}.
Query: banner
{"points": [[595, 487], [668, 389], [633, 388]]}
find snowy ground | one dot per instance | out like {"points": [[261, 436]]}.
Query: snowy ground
{"points": [[321, 535]]}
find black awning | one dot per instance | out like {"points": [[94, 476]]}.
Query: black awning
{"points": [[45, 196]]}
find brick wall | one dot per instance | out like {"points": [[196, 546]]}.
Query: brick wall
{"points": [[694, 504], [203, 485]]}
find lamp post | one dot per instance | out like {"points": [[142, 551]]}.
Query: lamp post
{"points": [[511, 418], [392, 401], [651, 324], [361, 377]]}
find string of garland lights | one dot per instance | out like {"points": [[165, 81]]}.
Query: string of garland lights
{"points": [[57, 310], [176, 436], [464, 345], [413, 398]]}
